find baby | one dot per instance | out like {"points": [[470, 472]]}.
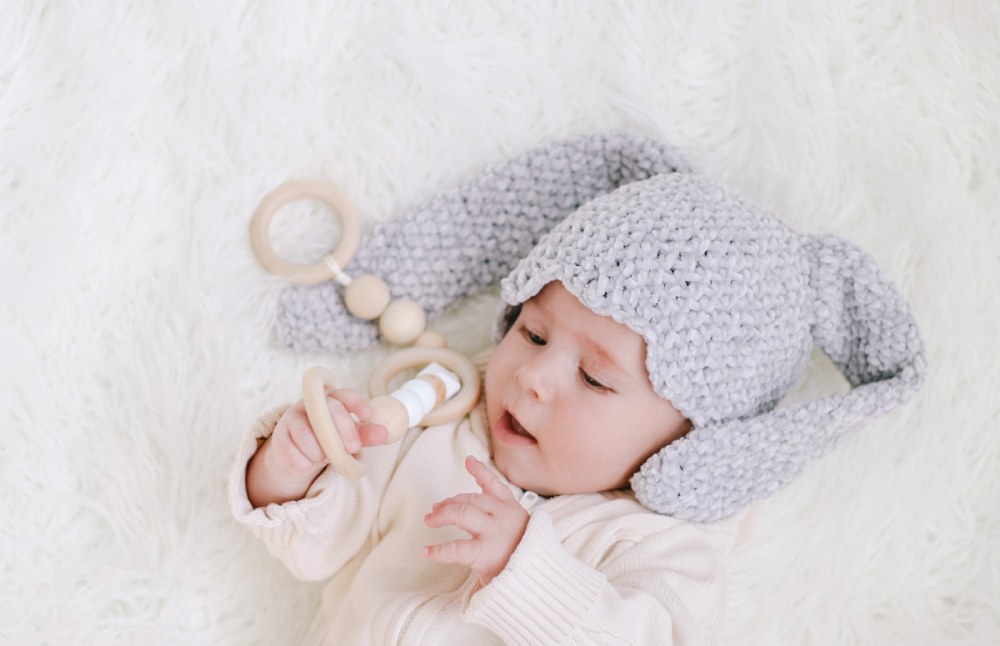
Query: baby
{"points": [[630, 414]]}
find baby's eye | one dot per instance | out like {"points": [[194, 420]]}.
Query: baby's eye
{"points": [[532, 337], [593, 383]]}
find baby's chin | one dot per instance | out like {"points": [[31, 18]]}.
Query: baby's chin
{"points": [[528, 481], [524, 481]]}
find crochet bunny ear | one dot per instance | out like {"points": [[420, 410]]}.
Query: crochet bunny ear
{"points": [[865, 326], [462, 241]]}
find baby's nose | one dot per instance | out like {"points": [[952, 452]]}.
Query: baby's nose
{"points": [[537, 378]]}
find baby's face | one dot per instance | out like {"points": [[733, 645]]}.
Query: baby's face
{"points": [[569, 401]]}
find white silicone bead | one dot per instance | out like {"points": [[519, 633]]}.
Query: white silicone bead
{"points": [[367, 297], [402, 322]]}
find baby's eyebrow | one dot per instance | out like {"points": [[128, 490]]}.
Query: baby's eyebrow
{"points": [[605, 359]]}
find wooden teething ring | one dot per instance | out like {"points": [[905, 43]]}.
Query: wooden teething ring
{"points": [[315, 384], [350, 230], [318, 380], [418, 357]]}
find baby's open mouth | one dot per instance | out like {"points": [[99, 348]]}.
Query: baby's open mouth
{"points": [[518, 429], [508, 430]]}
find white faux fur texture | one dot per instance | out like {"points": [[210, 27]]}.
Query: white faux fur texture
{"points": [[136, 139]]}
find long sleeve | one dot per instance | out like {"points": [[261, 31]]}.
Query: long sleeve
{"points": [[466, 239], [315, 536], [662, 588]]}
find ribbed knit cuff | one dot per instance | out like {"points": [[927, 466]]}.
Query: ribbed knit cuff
{"points": [[543, 595]]}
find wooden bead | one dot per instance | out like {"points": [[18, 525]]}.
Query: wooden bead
{"points": [[367, 297], [402, 322], [430, 339], [391, 414]]}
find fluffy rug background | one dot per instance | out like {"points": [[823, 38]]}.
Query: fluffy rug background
{"points": [[135, 142]]}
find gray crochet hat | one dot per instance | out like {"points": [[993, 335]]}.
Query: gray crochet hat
{"points": [[730, 303], [729, 300], [461, 241]]}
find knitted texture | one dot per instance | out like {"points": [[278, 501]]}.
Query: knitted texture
{"points": [[462, 241], [730, 303]]}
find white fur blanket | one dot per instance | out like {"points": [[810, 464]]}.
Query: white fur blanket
{"points": [[137, 138]]}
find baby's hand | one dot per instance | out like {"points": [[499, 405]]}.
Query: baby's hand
{"points": [[494, 518], [291, 458], [295, 449]]}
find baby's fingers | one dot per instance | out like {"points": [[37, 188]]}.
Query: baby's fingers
{"points": [[465, 551], [487, 480], [373, 434], [461, 513], [353, 401], [347, 406], [302, 438], [347, 428]]}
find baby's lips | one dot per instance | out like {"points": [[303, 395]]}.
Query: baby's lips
{"points": [[519, 428]]}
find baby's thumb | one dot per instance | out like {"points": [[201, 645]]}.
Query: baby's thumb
{"points": [[373, 434]]}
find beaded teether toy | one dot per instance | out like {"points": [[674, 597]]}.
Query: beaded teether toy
{"points": [[367, 297], [448, 388], [435, 396]]}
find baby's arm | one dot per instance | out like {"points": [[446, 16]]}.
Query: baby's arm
{"points": [[656, 589], [313, 523], [663, 588]]}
